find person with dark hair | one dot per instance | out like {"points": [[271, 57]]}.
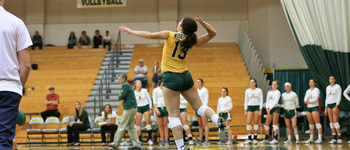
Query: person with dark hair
{"points": [[183, 119], [37, 41], [144, 107], [162, 114], [224, 110], [107, 40], [333, 97], [313, 116], [253, 104], [81, 123], [109, 123], [84, 40], [176, 77], [202, 121], [273, 113], [128, 118], [52, 100], [97, 39], [14, 71], [291, 103], [157, 73], [72, 40]]}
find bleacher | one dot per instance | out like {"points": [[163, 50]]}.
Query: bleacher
{"points": [[219, 64], [71, 72]]}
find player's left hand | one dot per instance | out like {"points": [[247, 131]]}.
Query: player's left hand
{"points": [[125, 29]]}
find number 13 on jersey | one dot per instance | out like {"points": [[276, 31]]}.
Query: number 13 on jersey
{"points": [[182, 55]]}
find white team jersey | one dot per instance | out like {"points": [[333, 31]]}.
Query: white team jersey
{"points": [[143, 98], [203, 95], [333, 94], [290, 100], [313, 96], [224, 105], [253, 98], [272, 99]]}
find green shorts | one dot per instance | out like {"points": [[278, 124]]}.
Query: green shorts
{"points": [[331, 106], [253, 108], [183, 110], [143, 109], [163, 112], [178, 81], [226, 116], [275, 110], [312, 109], [289, 114], [21, 118]]}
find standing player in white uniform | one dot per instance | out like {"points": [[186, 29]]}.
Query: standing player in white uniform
{"points": [[346, 95], [290, 103], [273, 113], [333, 97], [202, 121], [162, 114], [313, 115], [144, 107], [253, 108], [183, 119], [224, 111]]}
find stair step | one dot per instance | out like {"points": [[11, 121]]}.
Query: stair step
{"points": [[108, 81], [120, 67], [94, 92], [114, 71], [112, 97], [112, 86], [119, 58], [120, 62], [114, 104]]}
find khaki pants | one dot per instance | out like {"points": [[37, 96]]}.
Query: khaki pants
{"points": [[127, 123]]}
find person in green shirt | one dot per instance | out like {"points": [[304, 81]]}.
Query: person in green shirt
{"points": [[128, 118], [81, 123]]}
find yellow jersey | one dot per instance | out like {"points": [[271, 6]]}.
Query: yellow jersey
{"points": [[173, 59]]}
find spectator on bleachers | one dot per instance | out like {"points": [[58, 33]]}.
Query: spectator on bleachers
{"points": [[84, 39], [51, 102], [157, 73], [81, 123], [72, 40], [141, 73], [107, 40], [37, 41], [97, 39], [109, 123]]}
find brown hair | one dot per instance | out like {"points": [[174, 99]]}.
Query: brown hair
{"points": [[105, 113], [200, 79], [78, 113], [225, 88]]}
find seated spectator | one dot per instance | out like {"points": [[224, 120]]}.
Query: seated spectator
{"points": [[81, 123], [109, 124], [51, 102], [157, 74], [97, 39], [37, 41], [107, 40], [141, 73], [72, 40], [84, 39]]}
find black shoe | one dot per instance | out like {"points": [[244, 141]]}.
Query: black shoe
{"points": [[184, 148]]}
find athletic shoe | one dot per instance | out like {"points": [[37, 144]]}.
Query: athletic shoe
{"points": [[255, 142], [264, 141], [161, 143], [318, 141], [250, 142], [184, 148], [205, 143], [340, 141], [332, 141], [223, 134], [220, 143], [297, 142], [309, 141], [274, 141], [112, 145], [104, 144], [228, 143], [287, 142], [190, 142], [150, 142], [166, 143]]}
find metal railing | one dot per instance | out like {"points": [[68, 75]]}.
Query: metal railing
{"points": [[109, 77], [252, 60]]}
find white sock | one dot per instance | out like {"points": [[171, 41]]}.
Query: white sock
{"points": [[320, 136], [297, 137], [214, 118], [289, 137], [179, 143], [311, 136]]}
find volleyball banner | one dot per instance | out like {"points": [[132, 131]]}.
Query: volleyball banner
{"points": [[100, 3]]}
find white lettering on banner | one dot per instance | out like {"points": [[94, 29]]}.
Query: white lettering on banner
{"points": [[100, 3]]}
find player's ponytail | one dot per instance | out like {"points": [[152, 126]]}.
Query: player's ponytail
{"points": [[189, 26]]}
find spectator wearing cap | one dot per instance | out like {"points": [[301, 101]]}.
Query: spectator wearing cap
{"points": [[141, 73], [51, 102]]}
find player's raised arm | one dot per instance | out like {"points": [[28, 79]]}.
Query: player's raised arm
{"points": [[146, 34], [208, 36]]}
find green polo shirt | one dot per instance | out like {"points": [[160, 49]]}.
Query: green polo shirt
{"points": [[127, 94]]}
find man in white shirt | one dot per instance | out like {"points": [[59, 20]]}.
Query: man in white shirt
{"points": [[107, 40], [141, 73], [14, 70]]}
